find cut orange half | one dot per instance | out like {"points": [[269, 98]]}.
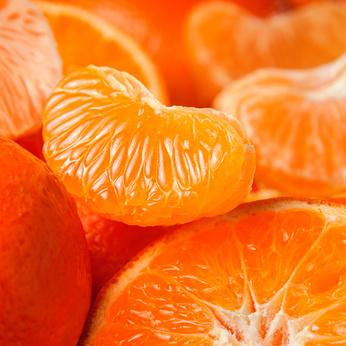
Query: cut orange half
{"points": [[269, 273], [84, 39]]}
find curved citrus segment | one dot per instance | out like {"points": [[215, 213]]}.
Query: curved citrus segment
{"points": [[268, 273], [85, 39], [226, 42], [29, 67], [297, 122], [136, 161]]}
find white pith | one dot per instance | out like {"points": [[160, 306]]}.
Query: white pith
{"points": [[253, 324]]}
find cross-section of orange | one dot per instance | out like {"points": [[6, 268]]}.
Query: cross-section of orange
{"points": [[84, 39], [131, 158], [226, 42], [297, 121], [268, 273], [29, 67]]}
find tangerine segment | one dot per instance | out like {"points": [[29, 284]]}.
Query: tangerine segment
{"points": [[136, 161], [29, 67], [268, 273], [297, 123], [220, 35], [76, 30]]}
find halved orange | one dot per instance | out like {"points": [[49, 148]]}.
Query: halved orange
{"points": [[134, 160], [297, 121], [84, 39], [29, 67], [268, 273], [226, 42]]}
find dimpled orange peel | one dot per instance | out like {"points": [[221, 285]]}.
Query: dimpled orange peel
{"points": [[132, 159]]}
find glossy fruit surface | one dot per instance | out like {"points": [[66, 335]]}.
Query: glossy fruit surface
{"points": [[297, 121], [29, 67], [45, 280], [226, 42], [134, 160], [268, 273]]}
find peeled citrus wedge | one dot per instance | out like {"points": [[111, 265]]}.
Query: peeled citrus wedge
{"points": [[29, 67], [297, 121], [132, 159]]}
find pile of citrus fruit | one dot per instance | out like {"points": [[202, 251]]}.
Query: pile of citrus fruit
{"points": [[172, 172]]}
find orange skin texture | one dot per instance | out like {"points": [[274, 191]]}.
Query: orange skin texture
{"points": [[45, 280], [112, 244]]}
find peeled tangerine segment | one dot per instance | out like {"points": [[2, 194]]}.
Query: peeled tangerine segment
{"points": [[297, 122], [29, 67], [226, 42], [134, 160], [268, 273]]}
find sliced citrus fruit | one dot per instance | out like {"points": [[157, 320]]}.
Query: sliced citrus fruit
{"points": [[137, 161], [226, 42], [84, 39], [296, 119], [112, 244], [268, 273], [29, 67]]}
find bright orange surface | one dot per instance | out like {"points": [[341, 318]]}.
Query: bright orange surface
{"points": [[159, 27], [269, 273], [128, 157], [45, 279], [226, 42], [85, 39], [112, 244], [29, 67], [297, 122]]}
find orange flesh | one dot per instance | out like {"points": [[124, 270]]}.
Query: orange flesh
{"points": [[297, 122], [132, 159], [226, 42], [272, 273], [85, 39], [29, 67]]}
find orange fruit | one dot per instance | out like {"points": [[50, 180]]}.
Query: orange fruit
{"points": [[134, 160], [158, 26], [33, 143], [112, 244], [268, 273], [296, 119], [45, 280], [226, 42], [85, 39], [29, 67]]}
